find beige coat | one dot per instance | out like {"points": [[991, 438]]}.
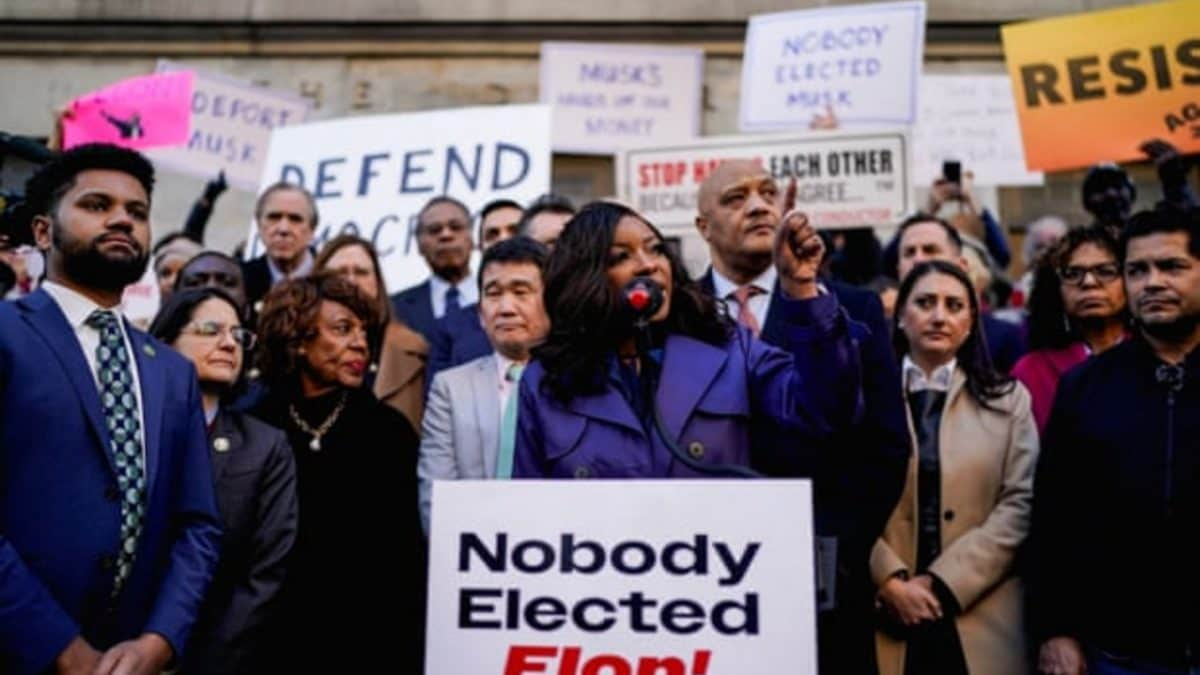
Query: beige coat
{"points": [[987, 462], [400, 382]]}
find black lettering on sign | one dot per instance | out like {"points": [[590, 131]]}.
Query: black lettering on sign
{"points": [[1132, 71]]}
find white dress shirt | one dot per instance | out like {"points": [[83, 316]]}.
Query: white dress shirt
{"points": [[468, 293], [302, 270], [724, 289], [77, 308], [916, 380]]}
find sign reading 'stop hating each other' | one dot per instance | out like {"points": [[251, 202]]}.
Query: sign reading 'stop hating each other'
{"points": [[842, 179], [863, 62]]}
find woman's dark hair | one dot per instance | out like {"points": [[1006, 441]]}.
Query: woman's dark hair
{"points": [[289, 318], [178, 311], [984, 384], [586, 313], [1048, 325]]}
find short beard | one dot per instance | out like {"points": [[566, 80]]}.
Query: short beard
{"points": [[87, 266], [1179, 330]]}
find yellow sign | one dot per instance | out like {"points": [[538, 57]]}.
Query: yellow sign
{"points": [[1092, 87]]}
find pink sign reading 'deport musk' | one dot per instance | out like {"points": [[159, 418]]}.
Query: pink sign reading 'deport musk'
{"points": [[141, 112]]}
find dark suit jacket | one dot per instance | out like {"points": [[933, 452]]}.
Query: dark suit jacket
{"points": [[858, 481], [1005, 341], [257, 277], [459, 338], [414, 308], [60, 508], [255, 476]]}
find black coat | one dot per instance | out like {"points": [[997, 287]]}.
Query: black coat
{"points": [[257, 277], [414, 308], [1115, 510], [255, 478]]}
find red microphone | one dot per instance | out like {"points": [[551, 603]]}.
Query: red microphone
{"points": [[644, 297]]}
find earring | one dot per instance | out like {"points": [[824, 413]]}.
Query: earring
{"points": [[1066, 323]]}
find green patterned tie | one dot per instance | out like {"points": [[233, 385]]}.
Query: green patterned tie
{"points": [[121, 416], [508, 424]]}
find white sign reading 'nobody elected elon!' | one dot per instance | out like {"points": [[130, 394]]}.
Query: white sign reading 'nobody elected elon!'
{"points": [[843, 179], [621, 578]]}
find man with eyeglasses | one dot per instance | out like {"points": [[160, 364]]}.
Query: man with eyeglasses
{"points": [[444, 241], [109, 531], [1112, 573]]}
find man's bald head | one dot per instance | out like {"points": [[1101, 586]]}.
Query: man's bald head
{"points": [[739, 211], [727, 173]]}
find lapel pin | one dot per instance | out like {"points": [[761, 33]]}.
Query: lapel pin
{"points": [[149, 350], [221, 444]]}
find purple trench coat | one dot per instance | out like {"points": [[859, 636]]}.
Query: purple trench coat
{"points": [[725, 404]]}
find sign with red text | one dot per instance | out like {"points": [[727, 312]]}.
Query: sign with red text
{"points": [[231, 128], [843, 179], [370, 175], [860, 62], [610, 96], [670, 577]]}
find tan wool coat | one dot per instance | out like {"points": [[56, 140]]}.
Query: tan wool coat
{"points": [[400, 382], [987, 461]]}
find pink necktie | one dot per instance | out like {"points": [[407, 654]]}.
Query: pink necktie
{"points": [[745, 316]]}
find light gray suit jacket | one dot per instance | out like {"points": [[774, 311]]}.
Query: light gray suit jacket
{"points": [[460, 434]]}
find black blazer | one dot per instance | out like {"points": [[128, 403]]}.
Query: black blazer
{"points": [[255, 476], [459, 338], [414, 308], [257, 277]]}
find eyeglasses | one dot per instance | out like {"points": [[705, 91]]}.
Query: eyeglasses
{"points": [[1105, 273], [212, 329]]}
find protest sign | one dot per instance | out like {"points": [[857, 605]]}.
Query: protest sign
{"points": [[140, 112], [862, 62], [843, 179], [1092, 87], [608, 96], [370, 175], [231, 128], [970, 119], [621, 578]]}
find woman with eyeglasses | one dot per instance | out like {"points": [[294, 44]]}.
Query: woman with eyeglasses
{"points": [[1076, 310], [359, 550], [255, 483]]}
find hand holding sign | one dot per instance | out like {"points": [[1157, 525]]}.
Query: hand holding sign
{"points": [[141, 112]]}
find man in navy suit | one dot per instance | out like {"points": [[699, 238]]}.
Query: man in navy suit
{"points": [[108, 525], [859, 480], [444, 241]]}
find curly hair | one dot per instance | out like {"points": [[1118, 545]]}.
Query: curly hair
{"points": [[1048, 325], [586, 313], [984, 384], [289, 319]]}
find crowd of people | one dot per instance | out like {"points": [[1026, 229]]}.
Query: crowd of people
{"points": [[1004, 474]]}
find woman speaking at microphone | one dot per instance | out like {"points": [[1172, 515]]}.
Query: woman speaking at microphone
{"points": [[667, 385]]}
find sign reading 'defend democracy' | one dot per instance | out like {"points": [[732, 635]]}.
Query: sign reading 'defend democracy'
{"points": [[843, 179], [621, 578], [370, 175], [231, 128], [863, 62], [608, 96]]}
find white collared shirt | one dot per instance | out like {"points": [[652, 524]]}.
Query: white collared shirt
{"points": [[302, 270], [468, 293], [916, 380], [77, 308], [724, 289]]}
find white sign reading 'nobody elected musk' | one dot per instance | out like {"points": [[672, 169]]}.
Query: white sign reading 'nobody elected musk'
{"points": [[371, 175], [611, 96], [624, 577], [863, 62]]}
